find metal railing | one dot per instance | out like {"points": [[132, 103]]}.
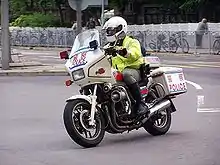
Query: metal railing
{"points": [[153, 41], [183, 42]]}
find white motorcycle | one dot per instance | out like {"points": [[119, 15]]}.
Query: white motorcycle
{"points": [[105, 103]]}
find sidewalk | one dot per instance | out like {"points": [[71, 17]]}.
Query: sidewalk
{"points": [[24, 66], [21, 67], [57, 49]]}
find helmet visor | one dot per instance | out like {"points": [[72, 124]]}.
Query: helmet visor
{"points": [[110, 31]]}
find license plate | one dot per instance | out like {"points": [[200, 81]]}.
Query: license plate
{"points": [[176, 82]]}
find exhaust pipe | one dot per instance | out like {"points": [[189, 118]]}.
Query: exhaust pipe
{"points": [[158, 107]]}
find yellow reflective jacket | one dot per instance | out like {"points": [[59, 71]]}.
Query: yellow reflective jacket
{"points": [[134, 60]]}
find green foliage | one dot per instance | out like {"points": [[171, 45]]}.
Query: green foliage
{"points": [[27, 12], [189, 4], [36, 20]]}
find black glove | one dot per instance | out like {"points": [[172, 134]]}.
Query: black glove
{"points": [[123, 52], [111, 51]]}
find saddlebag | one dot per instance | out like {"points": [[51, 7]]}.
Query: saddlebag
{"points": [[171, 78]]}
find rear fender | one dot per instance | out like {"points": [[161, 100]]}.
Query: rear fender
{"points": [[83, 97]]}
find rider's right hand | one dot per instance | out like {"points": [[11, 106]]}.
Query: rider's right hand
{"points": [[111, 51]]}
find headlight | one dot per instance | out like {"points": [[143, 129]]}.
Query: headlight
{"points": [[78, 74]]}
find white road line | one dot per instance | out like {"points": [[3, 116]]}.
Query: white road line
{"points": [[197, 86], [207, 110], [200, 100], [56, 57]]}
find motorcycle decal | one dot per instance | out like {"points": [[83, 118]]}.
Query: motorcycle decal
{"points": [[169, 78], [100, 71], [180, 87], [79, 60], [181, 77], [176, 82]]}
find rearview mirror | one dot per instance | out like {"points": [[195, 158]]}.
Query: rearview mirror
{"points": [[93, 44]]}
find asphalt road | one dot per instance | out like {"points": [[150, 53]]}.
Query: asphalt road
{"points": [[32, 130], [191, 61]]}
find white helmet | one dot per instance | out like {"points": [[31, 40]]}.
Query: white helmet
{"points": [[114, 27]]}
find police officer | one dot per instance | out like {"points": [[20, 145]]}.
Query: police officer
{"points": [[127, 60]]}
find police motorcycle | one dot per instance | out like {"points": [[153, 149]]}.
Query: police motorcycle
{"points": [[105, 103]]}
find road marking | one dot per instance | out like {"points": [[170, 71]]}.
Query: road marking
{"points": [[195, 65], [56, 57], [197, 86], [205, 62], [200, 100], [208, 110], [206, 65], [181, 66]]}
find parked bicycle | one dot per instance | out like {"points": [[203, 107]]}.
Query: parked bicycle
{"points": [[216, 46], [159, 43], [177, 40]]}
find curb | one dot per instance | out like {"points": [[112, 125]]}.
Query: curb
{"points": [[150, 52], [179, 54], [33, 73], [24, 64], [40, 48]]}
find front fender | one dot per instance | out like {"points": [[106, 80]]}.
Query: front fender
{"points": [[83, 97]]}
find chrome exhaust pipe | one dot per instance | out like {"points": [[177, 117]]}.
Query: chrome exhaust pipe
{"points": [[158, 107]]}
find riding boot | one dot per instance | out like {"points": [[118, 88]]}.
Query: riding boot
{"points": [[140, 107]]}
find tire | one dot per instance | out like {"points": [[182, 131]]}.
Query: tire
{"points": [[165, 46], [154, 130], [154, 47], [185, 46], [150, 126], [75, 129], [173, 46], [216, 47]]}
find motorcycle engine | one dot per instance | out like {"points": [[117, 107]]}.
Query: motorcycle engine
{"points": [[121, 99]]}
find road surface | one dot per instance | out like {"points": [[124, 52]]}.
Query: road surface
{"points": [[32, 130]]}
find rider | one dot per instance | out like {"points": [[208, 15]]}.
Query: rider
{"points": [[127, 59]]}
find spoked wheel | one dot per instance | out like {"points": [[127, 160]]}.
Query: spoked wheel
{"points": [[154, 47], [173, 45], [166, 46], [185, 46], [161, 119], [159, 123], [76, 120], [216, 47]]}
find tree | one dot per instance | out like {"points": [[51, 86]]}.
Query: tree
{"points": [[22, 7], [118, 5]]}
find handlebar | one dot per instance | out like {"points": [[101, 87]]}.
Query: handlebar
{"points": [[110, 51]]}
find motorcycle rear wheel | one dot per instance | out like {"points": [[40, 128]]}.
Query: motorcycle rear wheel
{"points": [[76, 120], [155, 128], [160, 123]]}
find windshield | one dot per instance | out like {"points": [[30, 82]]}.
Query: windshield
{"points": [[82, 40]]}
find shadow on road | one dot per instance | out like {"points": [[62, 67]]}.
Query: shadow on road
{"points": [[137, 138], [126, 139]]}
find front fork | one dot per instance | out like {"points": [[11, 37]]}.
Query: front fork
{"points": [[93, 107]]}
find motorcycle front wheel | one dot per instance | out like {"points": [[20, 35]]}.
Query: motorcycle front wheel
{"points": [[76, 120]]}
